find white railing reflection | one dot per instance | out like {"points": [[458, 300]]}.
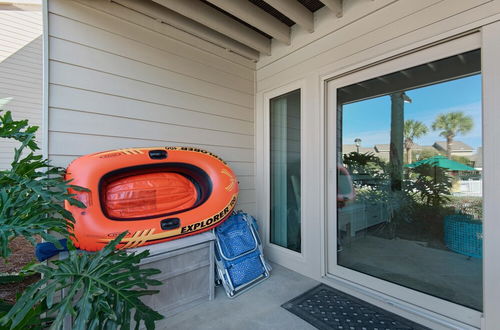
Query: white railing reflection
{"points": [[470, 188]]}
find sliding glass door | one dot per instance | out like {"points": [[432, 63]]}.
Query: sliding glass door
{"points": [[405, 206]]}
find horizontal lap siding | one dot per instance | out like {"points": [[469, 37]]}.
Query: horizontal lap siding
{"points": [[114, 84], [20, 72]]}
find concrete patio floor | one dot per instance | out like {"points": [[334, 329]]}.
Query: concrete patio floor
{"points": [[258, 308]]}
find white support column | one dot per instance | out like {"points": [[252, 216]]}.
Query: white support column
{"points": [[214, 19], [296, 12], [491, 176], [256, 17]]}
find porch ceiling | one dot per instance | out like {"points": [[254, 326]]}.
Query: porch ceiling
{"points": [[245, 27]]}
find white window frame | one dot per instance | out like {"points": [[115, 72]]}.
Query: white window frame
{"points": [[425, 304], [491, 159], [276, 252]]}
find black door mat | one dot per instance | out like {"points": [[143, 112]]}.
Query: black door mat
{"points": [[326, 308]]}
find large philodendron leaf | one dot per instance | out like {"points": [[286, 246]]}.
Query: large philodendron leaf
{"points": [[31, 191], [101, 290]]}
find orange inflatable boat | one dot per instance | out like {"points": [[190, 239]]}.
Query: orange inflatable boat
{"points": [[156, 194]]}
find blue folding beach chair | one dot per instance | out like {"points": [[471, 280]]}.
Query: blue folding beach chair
{"points": [[238, 254]]}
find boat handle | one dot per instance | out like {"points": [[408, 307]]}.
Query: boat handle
{"points": [[170, 223], [157, 154]]}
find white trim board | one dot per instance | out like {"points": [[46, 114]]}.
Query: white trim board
{"points": [[491, 124], [45, 94], [272, 250]]}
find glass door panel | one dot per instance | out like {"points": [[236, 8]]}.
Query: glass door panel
{"points": [[410, 145], [285, 170]]}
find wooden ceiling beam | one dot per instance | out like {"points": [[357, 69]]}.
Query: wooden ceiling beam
{"points": [[334, 5], [256, 17], [167, 16], [214, 19]]}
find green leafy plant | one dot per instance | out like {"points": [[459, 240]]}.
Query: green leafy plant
{"points": [[398, 204], [364, 164], [99, 290], [32, 319], [371, 179], [31, 191], [430, 184]]}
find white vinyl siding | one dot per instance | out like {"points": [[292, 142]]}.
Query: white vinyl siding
{"points": [[128, 81], [20, 72]]}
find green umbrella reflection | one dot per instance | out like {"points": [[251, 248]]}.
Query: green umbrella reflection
{"points": [[443, 162]]}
